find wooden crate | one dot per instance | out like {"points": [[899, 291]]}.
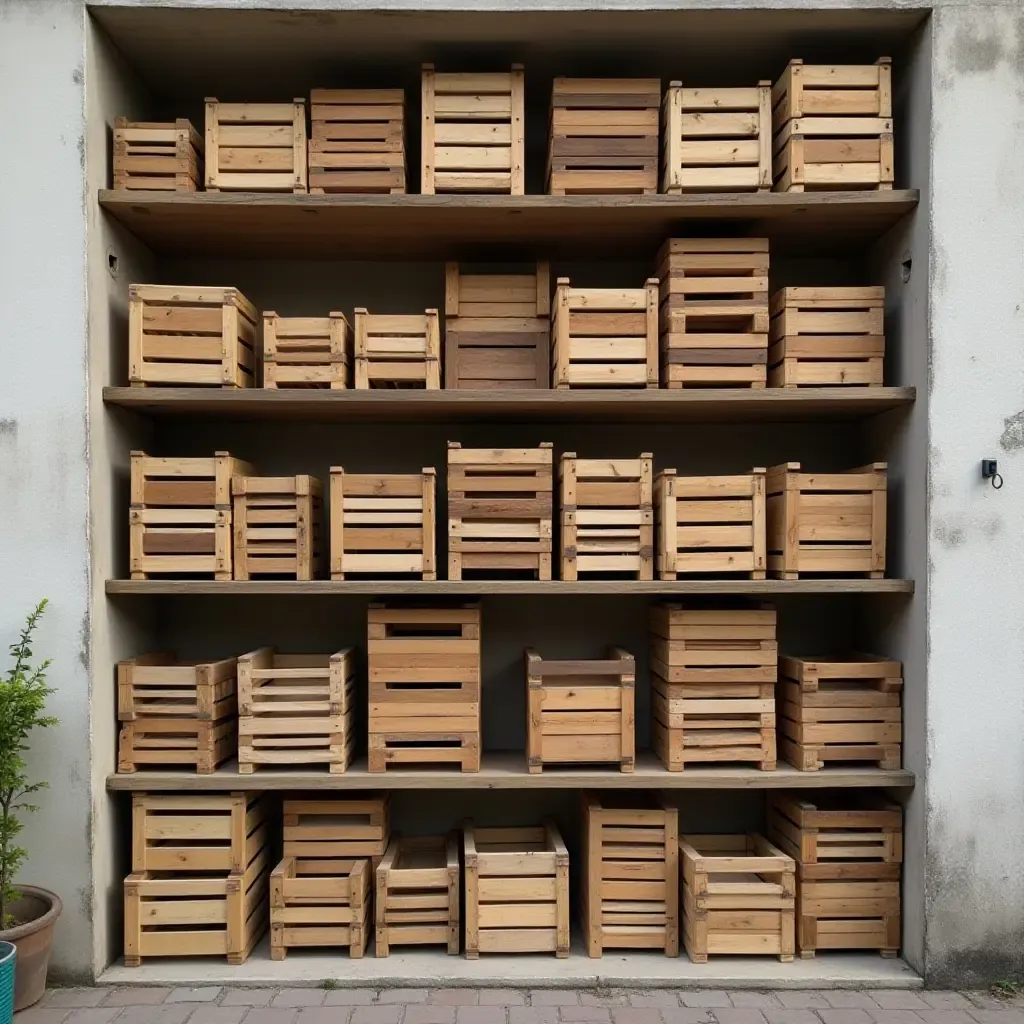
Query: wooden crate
{"points": [[157, 156], [473, 132], [604, 136], [711, 524], [717, 140], [296, 709], [497, 332], [163, 742], [305, 351], [517, 890], [629, 891], [841, 709], [256, 147], [714, 312], [357, 142], [278, 526], [605, 337], [739, 896], [320, 834], [828, 523], [383, 524], [832, 127], [848, 849], [191, 336], [424, 686], [607, 516], [500, 508], [827, 337], [398, 350], [180, 515], [418, 892], [580, 712]]}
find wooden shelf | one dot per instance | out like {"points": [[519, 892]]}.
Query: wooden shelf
{"points": [[414, 227], [507, 770]]}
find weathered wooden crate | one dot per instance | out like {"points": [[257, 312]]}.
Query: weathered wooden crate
{"points": [[629, 891], [305, 351], [256, 147], [605, 337], [581, 711], [424, 685], [180, 515], [418, 893], [473, 132], [739, 896], [398, 350], [160, 742], [841, 709], [191, 336], [604, 136], [517, 890], [714, 312], [383, 524], [848, 849], [497, 332], [717, 140], [278, 526], [827, 337], [357, 142], [607, 516], [711, 524], [319, 834], [829, 523], [832, 127], [296, 709], [157, 156]]}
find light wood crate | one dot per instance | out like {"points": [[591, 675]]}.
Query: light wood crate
{"points": [[827, 337], [180, 515], [255, 147], [607, 516], [833, 127], [605, 337], [826, 523], [500, 534], [164, 742], [296, 709], [841, 709], [580, 711], [278, 526], [319, 834], [157, 156], [604, 136], [517, 890], [195, 337], [357, 142], [711, 524], [383, 524], [397, 350], [418, 892], [717, 140], [305, 351], [739, 896], [473, 132], [629, 891], [424, 685], [497, 332], [714, 312]]}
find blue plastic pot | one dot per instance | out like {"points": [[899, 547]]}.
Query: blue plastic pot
{"points": [[8, 958]]}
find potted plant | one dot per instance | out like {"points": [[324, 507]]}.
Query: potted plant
{"points": [[27, 913]]}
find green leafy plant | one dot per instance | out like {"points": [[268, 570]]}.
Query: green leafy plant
{"points": [[23, 693], [1007, 989]]}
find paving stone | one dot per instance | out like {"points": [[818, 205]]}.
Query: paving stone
{"points": [[705, 997], [754, 1000], [801, 1000], [426, 1013], [176, 1014], [203, 994], [42, 1015], [842, 999], [637, 1014], [272, 1015], [101, 1015], [295, 997], [454, 996], [947, 1001], [135, 995], [402, 995], [376, 1014], [1010, 1015], [350, 997], [493, 1014], [218, 1014], [321, 1015], [791, 1015], [606, 997], [686, 1015], [553, 997], [895, 1016], [587, 1014], [72, 998], [845, 1015], [247, 996], [987, 1001], [945, 1016], [661, 998], [533, 1015], [734, 1015], [502, 997], [898, 999]]}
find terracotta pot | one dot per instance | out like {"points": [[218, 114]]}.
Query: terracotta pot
{"points": [[36, 911]]}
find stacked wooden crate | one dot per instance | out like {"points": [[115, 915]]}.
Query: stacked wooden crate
{"points": [[256, 147], [198, 885], [157, 156], [841, 709], [848, 848], [296, 709], [305, 351], [713, 679], [401, 350], [278, 526]]}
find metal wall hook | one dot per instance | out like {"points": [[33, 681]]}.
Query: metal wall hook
{"points": [[990, 472]]}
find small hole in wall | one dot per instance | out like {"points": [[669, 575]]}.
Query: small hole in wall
{"points": [[906, 266], [112, 262]]}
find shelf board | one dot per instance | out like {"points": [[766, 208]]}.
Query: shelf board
{"points": [[507, 770], [252, 225]]}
